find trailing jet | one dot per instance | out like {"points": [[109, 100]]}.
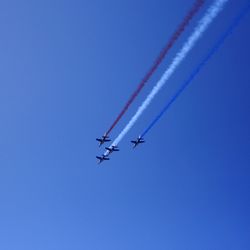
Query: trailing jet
{"points": [[112, 149], [102, 158], [103, 139], [139, 140]]}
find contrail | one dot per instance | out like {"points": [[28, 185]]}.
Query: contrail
{"points": [[203, 24], [195, 8], [216, 47]]}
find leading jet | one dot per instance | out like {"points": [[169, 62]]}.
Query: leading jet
{"points": [[103, 139], [138, 141], [102, 158], [112, 149]]}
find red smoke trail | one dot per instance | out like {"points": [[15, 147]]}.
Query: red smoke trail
{"points": [[197, 5]]}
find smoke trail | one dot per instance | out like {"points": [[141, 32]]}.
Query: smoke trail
{"points": [[197, 5], [203, 24], [217, 46]]}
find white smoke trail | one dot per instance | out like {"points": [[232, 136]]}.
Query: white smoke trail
{"points": [[203, 24]]}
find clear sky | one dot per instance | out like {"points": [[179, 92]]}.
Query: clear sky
{"points": [[66, 69]]}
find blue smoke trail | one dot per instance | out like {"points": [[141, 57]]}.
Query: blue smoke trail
{"points": [[217, 46]]}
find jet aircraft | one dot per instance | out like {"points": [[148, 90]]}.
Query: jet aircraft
{"points": [[102, 158], [112, 149], [138, 141], [103, 139]]}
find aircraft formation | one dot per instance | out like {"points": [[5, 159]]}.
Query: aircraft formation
{"points": [[113, 148], [212, 12]]}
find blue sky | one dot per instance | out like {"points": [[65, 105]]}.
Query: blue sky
{"points": [[67, 68]]}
